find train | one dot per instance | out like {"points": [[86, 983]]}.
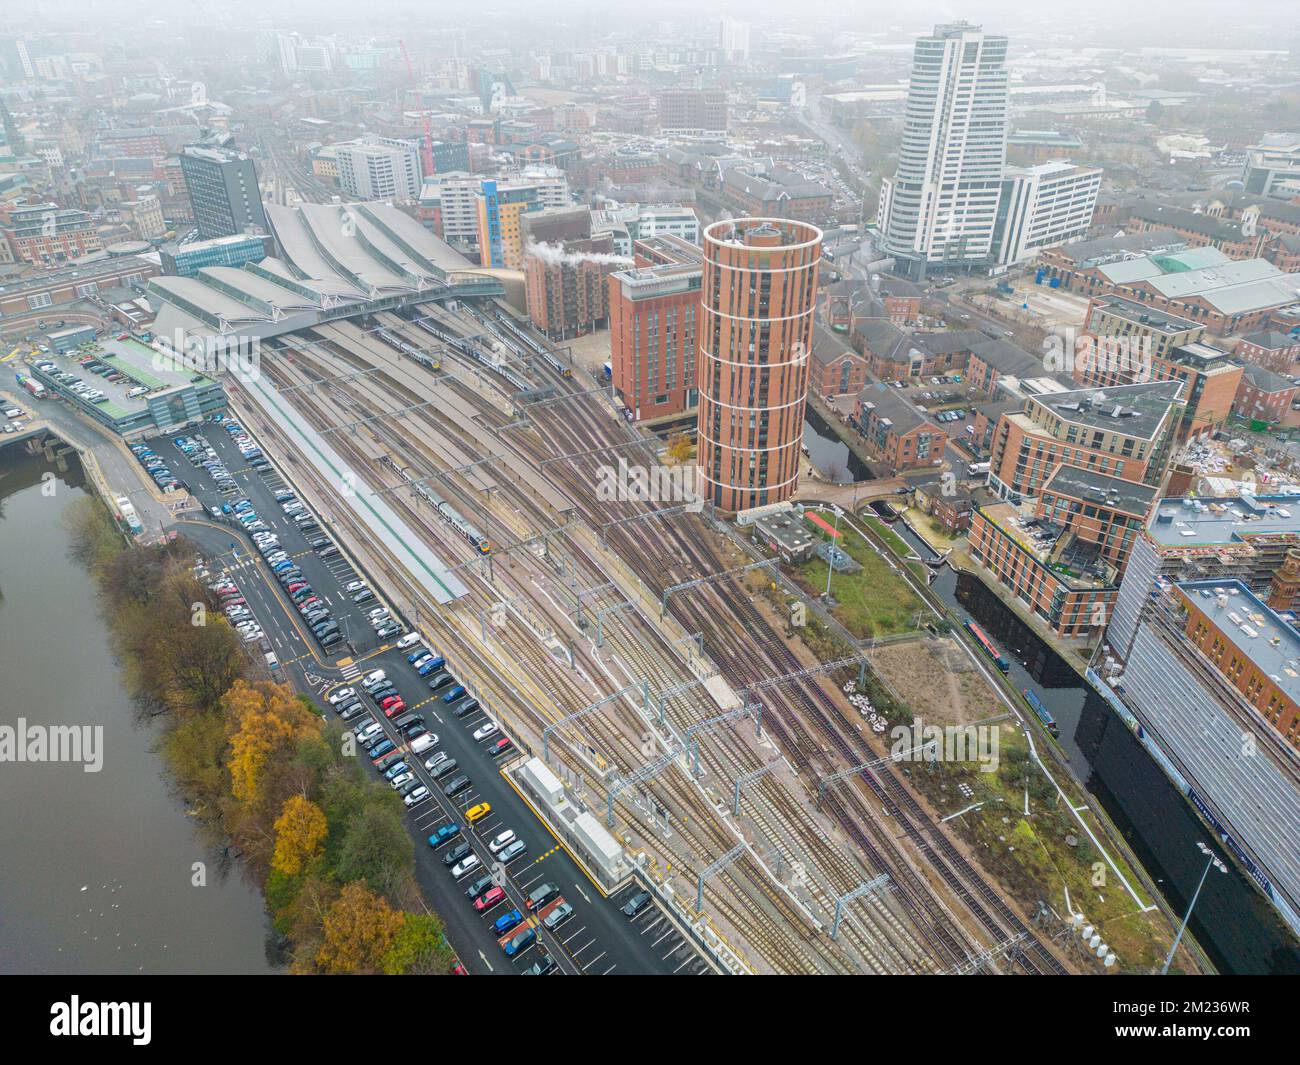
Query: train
{"points": [[467, 530], [409, 350], [530, 342], [988, 647], [1044, 715], [471, 350]]}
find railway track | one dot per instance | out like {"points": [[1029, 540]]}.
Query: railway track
{"points": [[892, 939]]}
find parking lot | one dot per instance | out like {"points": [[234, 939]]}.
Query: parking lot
{"points": [[577, 929]]}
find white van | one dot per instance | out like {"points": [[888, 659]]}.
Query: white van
{"points": [[137, 391], [422, 743], [272, 663], [372, 679]]}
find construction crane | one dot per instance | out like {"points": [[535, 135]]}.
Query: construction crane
{"points": [[426, 147]]}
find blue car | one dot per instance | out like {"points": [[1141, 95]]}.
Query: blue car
{"points": [[444, 835], [396, 770], [429, 667], [454, 694], [504, 924], [382, 748], [421, 653], [521, 942]]}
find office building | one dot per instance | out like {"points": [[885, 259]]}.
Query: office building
{"points": [[1273, 167], [379, 168], [46, 234], [186, 260], [759, 296], [693, 113], [223, 189], [1044, 206], [939, 210]]}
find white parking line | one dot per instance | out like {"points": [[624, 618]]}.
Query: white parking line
{"points": [[594, 960]]}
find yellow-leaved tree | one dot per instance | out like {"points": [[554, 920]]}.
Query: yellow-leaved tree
{"points": [[358, 930], [300, 833]]}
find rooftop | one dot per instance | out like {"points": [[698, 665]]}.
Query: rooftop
{"points": [[1127, 497], [1252, 627], [1140, 314], [1134, 410], [1207, 522], [1075, 561]]}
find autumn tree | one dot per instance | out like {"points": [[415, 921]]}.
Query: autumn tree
{"points": [[299, 836], [359, 929], [420, 948], [680, 449]]}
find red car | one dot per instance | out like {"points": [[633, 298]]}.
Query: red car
{"points": [[390, 701], [297, 587], [500, 747], [459, 970], [489, 898], [394, 708]]}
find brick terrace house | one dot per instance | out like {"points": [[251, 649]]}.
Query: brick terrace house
{"points": [[1199, 230], [897, 434], [1279, 352], [952, 509], [894, 354], [1265, 396], [835, 368]]}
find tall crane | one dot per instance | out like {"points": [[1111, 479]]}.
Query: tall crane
{"points": [[426, 148]]}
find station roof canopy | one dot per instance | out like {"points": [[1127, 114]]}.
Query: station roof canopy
{"points": [[334, 259]]}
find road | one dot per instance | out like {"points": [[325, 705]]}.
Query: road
{"points": [[597, 939]]}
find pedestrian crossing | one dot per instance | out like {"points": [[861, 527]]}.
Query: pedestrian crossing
{"points": [[351, 671]]}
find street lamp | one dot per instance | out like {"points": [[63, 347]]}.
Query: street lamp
{"points": [[1213, 862]]}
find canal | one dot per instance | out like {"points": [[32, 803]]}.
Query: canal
{"points": [[830, 455], [99, 867], [1237, 928]]}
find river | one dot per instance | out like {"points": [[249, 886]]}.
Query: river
{"points": [[98, 867], [1237, 927]]}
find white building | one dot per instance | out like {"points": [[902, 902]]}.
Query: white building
{"points": [[733, 39], [939, 211], [1273, 166], [456, 193], [379, 168], [1044, 206]]}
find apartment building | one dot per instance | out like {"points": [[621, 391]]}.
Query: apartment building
{"points": [[1126, 432], [1044, 206], [1063, 553], [654, 315], [897, 434]]}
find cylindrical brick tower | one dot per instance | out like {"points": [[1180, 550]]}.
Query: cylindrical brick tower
{"points": [[755, 337]]}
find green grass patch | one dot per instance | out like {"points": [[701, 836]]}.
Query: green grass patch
{"points": [[875, 601]]}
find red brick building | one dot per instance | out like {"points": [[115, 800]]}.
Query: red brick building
{"points": [[654, 316], [897, 434], [836, 370], [1265, 396], [1063, 556], [759, 297], [1279, 352]]}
